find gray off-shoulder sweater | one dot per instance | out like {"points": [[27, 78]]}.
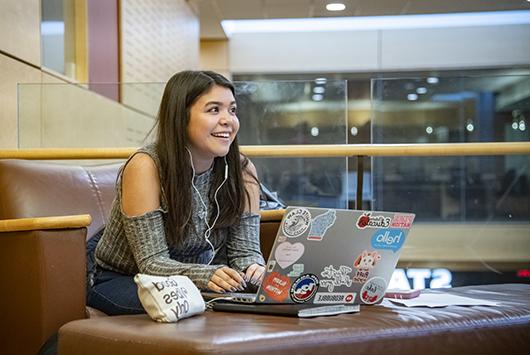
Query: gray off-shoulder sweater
{"points": [[138, 244]]}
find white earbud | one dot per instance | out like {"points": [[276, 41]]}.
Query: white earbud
{"points": [[209, 228]]}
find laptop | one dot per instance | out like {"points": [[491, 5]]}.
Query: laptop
{"points": [[327, 257]]}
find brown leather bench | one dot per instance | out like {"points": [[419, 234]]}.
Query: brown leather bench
{"points": [[383, 329], [42, 273]]}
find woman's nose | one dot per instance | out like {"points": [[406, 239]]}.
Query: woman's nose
{"points": [[225, 118]]}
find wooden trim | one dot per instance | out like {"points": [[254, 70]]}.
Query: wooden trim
{"points": [[350, 150], [40, 223], [292, 151], [81, 41], [271, 215], [67, 153]]}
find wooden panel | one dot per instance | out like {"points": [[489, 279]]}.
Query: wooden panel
{"points": [[20, 29], [214, 56], [158, 39]]}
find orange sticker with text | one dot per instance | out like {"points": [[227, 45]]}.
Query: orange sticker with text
{"points": [[276, 286]]}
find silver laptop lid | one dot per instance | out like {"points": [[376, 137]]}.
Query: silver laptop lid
{"points": [[333, 256]]}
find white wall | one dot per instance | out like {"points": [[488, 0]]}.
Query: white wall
{"points": [[380, 50]]}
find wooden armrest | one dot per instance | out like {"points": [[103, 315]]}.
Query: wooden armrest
{"points": [[43, 223], [271, 215]]}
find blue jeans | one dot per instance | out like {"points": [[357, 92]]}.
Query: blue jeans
{"points": [[114, 293], [109, 291]]}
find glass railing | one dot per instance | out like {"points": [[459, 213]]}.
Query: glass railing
{"points": [[471, 210], [453, 110], [68, 115], [289, 112], [297, 112]]}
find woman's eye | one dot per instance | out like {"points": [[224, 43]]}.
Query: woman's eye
{"points": [[233, 110], [214, 109]]}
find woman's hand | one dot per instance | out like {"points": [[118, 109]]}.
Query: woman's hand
{"points": [[254, 274], [226, 279]]}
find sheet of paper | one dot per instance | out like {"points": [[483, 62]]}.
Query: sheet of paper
{"points": [[442, 300]]}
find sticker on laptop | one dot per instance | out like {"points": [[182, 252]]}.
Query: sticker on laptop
{"points": [[286, 254], [366, 260], [321, 224], [276, 286], [335, 277], [335, 297], [388, 239], [402, 221], [369, 221], [373, 290], [296, 222], [297, 270], [304, 288], [363, 263]]}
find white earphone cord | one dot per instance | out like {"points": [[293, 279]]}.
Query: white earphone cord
{"points": [[209, 228]]}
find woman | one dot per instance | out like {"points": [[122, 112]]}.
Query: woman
{"points": [[186, 204]]}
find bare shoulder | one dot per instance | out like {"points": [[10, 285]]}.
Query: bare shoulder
{"points": [[141, 166], [140, 185]]}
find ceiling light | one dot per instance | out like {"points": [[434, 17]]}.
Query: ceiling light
{"points": [[335, 6], [314, 131], [412, 97], [354, 131], [515, 125], [318, 90], [317, 97], [421, 90], [470, 127], [492, 18], [433, 80], [429, 130], [321, 81]]}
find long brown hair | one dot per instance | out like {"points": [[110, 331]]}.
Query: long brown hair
{"points": [[181, 91]]}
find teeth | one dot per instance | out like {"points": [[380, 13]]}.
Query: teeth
{"points": [[221, 135]]}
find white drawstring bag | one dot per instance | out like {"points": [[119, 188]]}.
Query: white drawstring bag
{"points": [[169, 298]]}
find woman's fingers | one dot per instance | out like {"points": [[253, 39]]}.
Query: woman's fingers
{"points": [[255, 274], [214, 287], [227, 279], [235, 276]]}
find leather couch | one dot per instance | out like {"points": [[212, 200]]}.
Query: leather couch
{"points": [[42, 266], [42, 278]]}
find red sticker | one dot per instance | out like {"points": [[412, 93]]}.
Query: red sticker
{"points": [[402, 221], [276, 286]]}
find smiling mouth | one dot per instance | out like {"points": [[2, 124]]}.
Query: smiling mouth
{"points": [[221, 135]]}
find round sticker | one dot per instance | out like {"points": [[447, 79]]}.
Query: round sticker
{"points": [[296, 222], [304, 288], [373, 290]]}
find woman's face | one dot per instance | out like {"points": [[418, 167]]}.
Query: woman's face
{"points": [[212, 127]]}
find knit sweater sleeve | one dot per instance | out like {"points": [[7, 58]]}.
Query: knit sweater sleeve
{"points": [[243, 244], [147, 240]]}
